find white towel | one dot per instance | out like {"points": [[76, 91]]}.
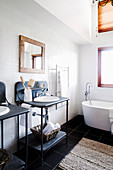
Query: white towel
{"points": [[62, 81], [22, 117], [111, 118], [36, 120], [58, 84], [57, 125], [32, 120], [50, 127]]}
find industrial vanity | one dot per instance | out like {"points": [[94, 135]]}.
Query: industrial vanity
{"points": [[31, 140], [15, 111]]}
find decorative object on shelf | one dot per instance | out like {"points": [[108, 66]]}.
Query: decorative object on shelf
{"points": [[27, 89], [31, 83], [36, 130], [27, 95], [5, 157], [103, 2], [23, 82], [36, 90]]}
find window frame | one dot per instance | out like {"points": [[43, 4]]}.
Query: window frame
{"points": [[99, 67], [100, 17]]}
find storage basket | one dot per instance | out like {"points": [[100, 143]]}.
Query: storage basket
{"points": [[5, 157], [36, 130]]}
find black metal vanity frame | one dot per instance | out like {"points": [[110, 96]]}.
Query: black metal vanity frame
{"points": [[15, 111], [42, 105], [46, 106]]}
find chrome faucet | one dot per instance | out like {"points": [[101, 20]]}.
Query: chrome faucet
{"points": [[87, 92], [43, 92]]}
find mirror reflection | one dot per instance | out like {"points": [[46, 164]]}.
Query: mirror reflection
{"points": [[32, 55]]}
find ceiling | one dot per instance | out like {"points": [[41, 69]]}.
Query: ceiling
{"points": [[75, 14]]}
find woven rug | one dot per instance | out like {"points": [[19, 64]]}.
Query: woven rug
{"points": [[89, 155]]}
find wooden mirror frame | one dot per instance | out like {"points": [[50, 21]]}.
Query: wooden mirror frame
{"points": [[23, 69]]}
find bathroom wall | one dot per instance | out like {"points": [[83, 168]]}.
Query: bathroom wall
{"points": [[75, 14], [29, 19], [89, 64]]}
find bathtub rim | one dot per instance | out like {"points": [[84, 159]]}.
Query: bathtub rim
{"points": [[88, 104]]}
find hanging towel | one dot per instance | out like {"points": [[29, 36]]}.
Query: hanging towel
{"points": [[59, 83], [62, 81], [36, 119], [22, 117], [111, 119]]}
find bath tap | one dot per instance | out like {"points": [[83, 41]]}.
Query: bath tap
{"points": [[87, 92]]}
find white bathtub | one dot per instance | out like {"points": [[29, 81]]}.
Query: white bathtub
{"points": [[96, 114]]}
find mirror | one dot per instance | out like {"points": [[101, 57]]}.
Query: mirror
{"points": [[31, 55]]}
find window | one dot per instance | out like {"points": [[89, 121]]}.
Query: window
{"points": [[105, 67], [105, 17]]}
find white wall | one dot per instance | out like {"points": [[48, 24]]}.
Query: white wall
{"points": [[75, 14], [89, 64], [29, 19]]}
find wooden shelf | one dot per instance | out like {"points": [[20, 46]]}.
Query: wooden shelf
{"points": [[35, 144]]}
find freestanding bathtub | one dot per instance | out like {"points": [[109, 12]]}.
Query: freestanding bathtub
{"points": [[96, 114]]}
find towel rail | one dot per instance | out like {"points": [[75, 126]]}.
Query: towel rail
{"points": [[58, 71]]}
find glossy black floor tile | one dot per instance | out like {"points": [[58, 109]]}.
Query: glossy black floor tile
{"points": [[83, 128], [36, 166], [107, 135], [88, 136], [74, 124], [52, 158], [73, 140], [106, 141], [77, 134], [63, 128], [78, 118], [95, 132], [32, 155], [62, 147]]}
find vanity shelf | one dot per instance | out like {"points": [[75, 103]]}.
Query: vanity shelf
{"points": [[15, 163], [34, 143]]}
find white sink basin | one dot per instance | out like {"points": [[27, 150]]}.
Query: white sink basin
{"points": [[46, 99], [4, 110]]}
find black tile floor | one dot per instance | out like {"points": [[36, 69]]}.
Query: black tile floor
{"points": [[76, 131]]}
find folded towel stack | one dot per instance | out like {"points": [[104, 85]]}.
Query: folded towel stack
{"points": [[111, 119], [50, 127]]}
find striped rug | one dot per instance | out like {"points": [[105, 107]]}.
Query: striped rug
{"points": [[89, 155]]}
